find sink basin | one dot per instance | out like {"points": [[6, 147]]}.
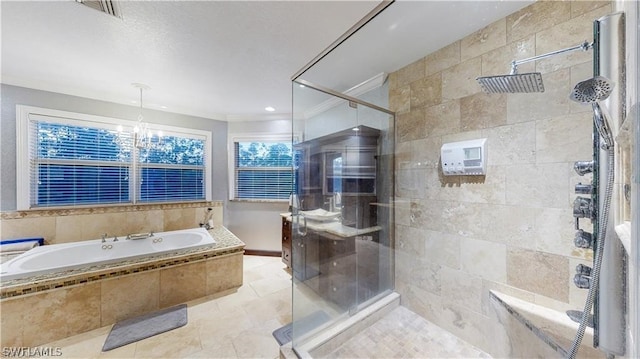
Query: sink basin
{"points": [[320, 215]]}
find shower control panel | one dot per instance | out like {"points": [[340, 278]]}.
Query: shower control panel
{"points": [[464, 158]]}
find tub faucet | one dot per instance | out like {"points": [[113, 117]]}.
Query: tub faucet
{"points": [[207, 222], [104, 236], [139, 235]]}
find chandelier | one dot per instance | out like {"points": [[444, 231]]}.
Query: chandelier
{"points": [[143, 137]]}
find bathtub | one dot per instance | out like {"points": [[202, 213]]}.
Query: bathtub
{"points": [[61, 257]]}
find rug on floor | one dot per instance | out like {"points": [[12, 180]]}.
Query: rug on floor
{"points": [[145, 326], [285, 334]]}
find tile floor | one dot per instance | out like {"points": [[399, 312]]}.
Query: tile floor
{"points": [[404, 334], [239, 325]]}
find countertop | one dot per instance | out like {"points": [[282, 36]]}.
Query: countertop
{"points": [[334, 227]]}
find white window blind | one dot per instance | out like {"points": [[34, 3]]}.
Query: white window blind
{"points": [[77, 165], [174, 170], [263, 170]]}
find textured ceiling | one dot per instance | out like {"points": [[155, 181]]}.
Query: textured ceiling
{"points": [[220, 60]]}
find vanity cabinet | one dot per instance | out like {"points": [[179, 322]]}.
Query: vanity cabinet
{"points": [[300, 253], [348, 268], [338, 270], [305, 258], [340, 267], [286, 241]]}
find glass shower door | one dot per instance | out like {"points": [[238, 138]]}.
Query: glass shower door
{"points": [[341, 217]]}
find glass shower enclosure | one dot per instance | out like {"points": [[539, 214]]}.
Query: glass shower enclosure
{"points": [[342, 213]]}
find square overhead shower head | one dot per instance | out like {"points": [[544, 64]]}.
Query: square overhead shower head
{"points": [[515, 83]]}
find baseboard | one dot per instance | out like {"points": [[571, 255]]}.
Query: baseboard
{"points": [[257, 252]]}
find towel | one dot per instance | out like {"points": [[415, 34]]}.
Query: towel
{"points": [[18, 246]]}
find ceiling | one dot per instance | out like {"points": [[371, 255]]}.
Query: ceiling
{"points": [[225, 60]]}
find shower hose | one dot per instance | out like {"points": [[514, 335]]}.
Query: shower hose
{"points": [[603, 218]]}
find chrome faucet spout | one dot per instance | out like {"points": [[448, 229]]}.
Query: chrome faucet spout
{"points": [[134, 236]]}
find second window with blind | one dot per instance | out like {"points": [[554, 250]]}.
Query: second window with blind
{"points": [[262, 168]]}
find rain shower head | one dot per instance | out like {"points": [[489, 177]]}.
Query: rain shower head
{"points": [[592, 90], [514, 83], [522, 83]]}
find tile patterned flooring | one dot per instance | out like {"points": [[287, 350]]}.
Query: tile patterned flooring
{"points": [[239, 325], [404, 334]]}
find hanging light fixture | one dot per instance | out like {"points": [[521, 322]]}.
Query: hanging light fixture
{"points": [[142, 135]]}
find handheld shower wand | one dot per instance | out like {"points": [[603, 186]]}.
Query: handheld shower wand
{"points": [[592, 91]]}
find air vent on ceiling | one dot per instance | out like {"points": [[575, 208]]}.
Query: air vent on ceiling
{"points": [[107, 6]]}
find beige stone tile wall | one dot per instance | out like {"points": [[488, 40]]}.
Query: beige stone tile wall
{"points": [[511, 230], [62, 226]]}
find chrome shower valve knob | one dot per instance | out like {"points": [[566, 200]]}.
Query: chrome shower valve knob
{"points": [[583, 167], [583, 208], [584, 189], [583, 270], [582, 281], [583, 239]]}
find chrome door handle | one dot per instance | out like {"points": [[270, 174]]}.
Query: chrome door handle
{"points": [[300, 232]]}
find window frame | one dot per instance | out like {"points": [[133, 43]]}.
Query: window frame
{"points": [[255, 137], [24, 137]]}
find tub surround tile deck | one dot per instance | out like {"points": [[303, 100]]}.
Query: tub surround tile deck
{"points": [[226, 325], [58, 306], [53, 212], [226, 243]]}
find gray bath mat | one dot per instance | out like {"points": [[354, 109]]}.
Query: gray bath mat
{"points": [[284, 334], [145, 326]]}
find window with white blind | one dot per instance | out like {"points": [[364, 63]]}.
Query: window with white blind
{"points": [[70, 159], [263, 169]]}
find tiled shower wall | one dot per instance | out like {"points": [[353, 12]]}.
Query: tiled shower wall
{"points": [[511, 230], [61, 226]]}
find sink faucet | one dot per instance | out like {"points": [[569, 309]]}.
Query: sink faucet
{"points": [[331, 204]]}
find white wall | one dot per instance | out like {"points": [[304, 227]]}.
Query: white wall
{"points": [[257, 224]]}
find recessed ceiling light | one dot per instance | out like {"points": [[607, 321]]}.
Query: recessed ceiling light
{"points": [[301, 85], [356, 129], [269, 108]]}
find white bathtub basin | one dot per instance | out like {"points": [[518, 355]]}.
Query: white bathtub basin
{"points": [[66, 256]]}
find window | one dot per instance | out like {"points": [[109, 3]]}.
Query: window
{"points": [[69, 159], [262, 169], [173, 171], [73, 165]]}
